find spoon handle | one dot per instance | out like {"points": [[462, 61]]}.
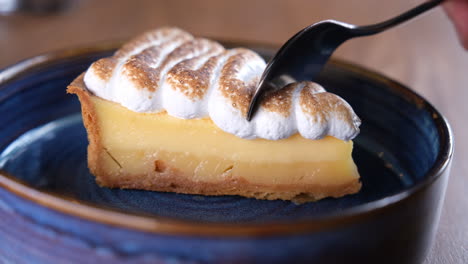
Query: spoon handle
{"points": [[379, 27]]}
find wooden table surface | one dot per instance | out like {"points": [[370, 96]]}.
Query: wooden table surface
{"points": [[423, 54]]}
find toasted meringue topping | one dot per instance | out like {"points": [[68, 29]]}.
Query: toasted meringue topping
{"points": [[168, 69]]}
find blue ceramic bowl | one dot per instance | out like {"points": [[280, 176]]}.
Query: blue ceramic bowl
{"points": [[51, 210]]}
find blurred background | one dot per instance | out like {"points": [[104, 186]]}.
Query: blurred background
{"points": [[424, 54]]}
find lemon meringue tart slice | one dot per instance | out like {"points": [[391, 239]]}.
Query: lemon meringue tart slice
{"points": [[167, 113]]}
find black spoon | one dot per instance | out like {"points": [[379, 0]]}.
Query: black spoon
{"points": [[303, 56]]}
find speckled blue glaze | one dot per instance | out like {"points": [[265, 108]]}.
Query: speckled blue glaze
{"points": [[43, 144]]}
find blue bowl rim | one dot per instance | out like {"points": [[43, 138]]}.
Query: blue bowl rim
{"points": [[167, 226]]}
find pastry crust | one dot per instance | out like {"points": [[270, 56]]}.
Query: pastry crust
{"points": [[171, 180], [90, 122]]}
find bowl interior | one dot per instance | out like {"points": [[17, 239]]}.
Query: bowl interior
{"points": [[43, 144]]}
